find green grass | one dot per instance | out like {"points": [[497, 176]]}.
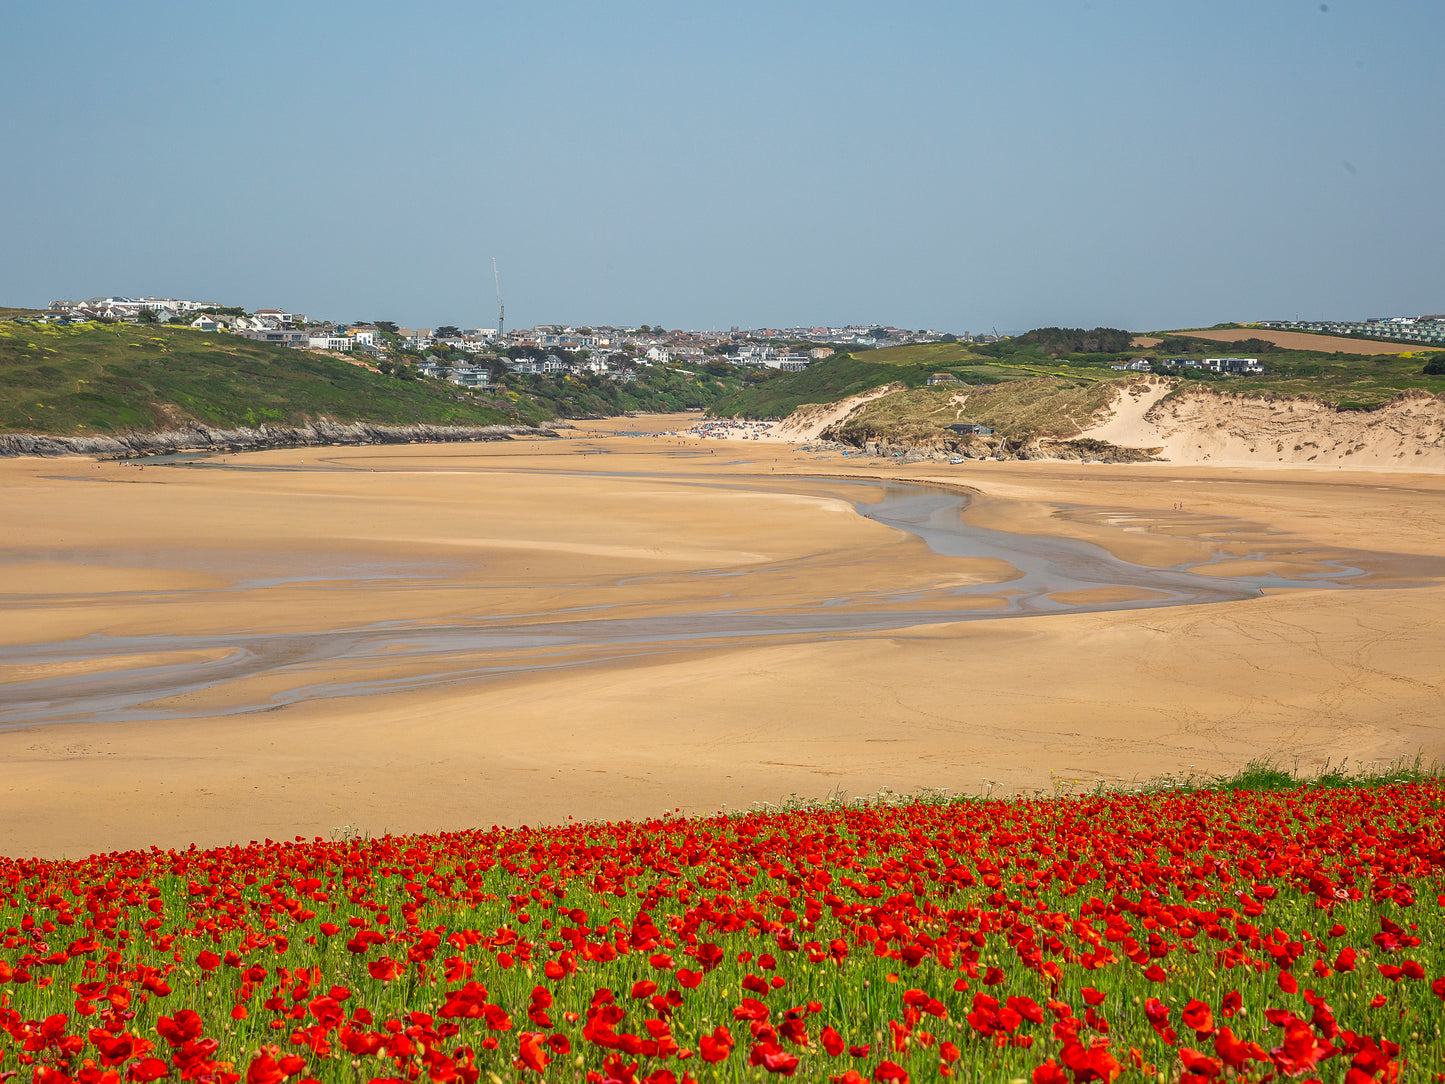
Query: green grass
{"points": [[1335, 378], [1357, 380], [824, 381], [934, 356], [93, 378], [1351, 381], [1338, 378], [106, 378], [843, 375], [1045, 406], [855, 941]]}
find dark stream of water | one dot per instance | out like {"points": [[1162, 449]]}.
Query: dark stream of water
{"points": [[391, 656]]}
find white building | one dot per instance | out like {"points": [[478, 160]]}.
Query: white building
{"points": [[1233, 365], [130, 307]]}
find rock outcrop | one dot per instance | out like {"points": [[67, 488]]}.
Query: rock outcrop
{"points": [[200, 438]]}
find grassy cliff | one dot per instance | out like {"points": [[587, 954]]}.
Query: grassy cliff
{"points": [[96, 379], [109, 378]]}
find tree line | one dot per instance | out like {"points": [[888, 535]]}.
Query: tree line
{"points": [[1076, 340]]}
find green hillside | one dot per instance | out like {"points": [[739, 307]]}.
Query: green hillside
{"points": [[774, 394], [1039, 407], [94, 378], [1341, 379], [107, 378], [1347, 380]]}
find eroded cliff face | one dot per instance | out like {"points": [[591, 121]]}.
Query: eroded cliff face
{"points": [[200, 438], [1202, 425]]}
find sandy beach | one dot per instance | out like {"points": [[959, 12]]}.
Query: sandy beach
{"points": [[405, 639]]}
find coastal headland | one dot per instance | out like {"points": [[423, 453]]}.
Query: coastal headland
{"points": [[620, 620]]}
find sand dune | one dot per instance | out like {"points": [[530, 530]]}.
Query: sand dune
{"points": [[1201, 425], [808, 422], [316, 542]]}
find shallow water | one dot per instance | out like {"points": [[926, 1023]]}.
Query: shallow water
{"points": [[372, 658]]}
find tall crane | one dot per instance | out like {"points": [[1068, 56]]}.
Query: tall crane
{"points": [[501, 310]]}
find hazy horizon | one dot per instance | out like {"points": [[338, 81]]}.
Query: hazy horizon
{"points": [[936, 165]]}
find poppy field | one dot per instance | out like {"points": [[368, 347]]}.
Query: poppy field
{"points": [[1295, 935]]}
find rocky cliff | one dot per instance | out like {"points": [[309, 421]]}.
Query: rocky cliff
{"points": [[200, 438]]}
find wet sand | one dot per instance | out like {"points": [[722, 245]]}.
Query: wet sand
{"points": [[252, 567]]}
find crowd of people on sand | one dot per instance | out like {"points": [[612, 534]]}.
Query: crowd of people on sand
{"points": [[726, 428]]}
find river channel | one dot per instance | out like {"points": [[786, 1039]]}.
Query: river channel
{"points": [[396, 656]]}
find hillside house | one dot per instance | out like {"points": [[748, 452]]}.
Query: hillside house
{"points": [[470, 376], [278, 336], [1238, 366]]}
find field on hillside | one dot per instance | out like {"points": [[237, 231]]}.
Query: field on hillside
{"points": [[1307, 341], [931, 355], [1178, 936]]}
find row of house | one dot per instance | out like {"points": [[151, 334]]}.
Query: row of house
{"points": [[1234, 366], [1420, 329], [121, 308], [472, 375]]}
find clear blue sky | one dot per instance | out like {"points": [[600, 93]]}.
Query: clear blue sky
{"points": [[961, 165]]}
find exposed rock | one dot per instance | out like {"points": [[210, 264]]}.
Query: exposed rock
{"points": [[200, 438], [1088, 451]]}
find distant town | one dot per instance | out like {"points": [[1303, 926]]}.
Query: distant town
{"points": [[476, 357], [470, 357]]}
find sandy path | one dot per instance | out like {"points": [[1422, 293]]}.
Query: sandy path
{"points": [[1299, 675]]}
